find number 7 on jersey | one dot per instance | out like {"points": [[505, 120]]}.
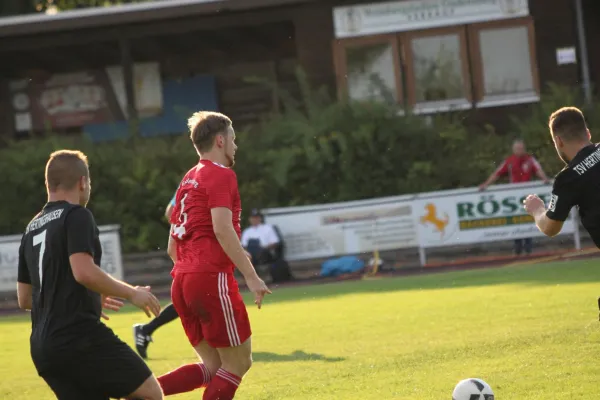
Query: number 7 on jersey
{"points": [[40, 239]]}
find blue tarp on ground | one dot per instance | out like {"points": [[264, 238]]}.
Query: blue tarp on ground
{"points": [[342, 265]]}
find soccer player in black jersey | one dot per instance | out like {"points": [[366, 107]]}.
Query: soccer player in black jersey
{"points": [[578, 184], [60, 281], [142, 333]]}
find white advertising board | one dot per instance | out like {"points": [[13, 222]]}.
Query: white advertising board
{"points": [[402, 15], [345, 228], [112, 261], [425, 220], [477, 217]]}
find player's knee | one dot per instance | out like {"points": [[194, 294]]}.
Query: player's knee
{"points": [[245, 363], [248, 363], [213, 367], [156, 394], [238, 366]]}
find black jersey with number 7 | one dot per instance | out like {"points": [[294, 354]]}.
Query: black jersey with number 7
{"points": [[62, 308]]}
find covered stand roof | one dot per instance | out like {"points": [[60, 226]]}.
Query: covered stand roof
{"points": [[126, 14], [162, 29]]}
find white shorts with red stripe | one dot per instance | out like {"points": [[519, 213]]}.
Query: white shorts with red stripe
{"points": [[211, 308]]}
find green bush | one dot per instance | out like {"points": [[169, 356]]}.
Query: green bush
{"points": [[315, 151], [534, 129], [320, 151], [132, 181]]}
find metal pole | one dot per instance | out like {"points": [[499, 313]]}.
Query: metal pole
{"points": [[128, 79], [576, 233], [422, 256], [585, 68]]}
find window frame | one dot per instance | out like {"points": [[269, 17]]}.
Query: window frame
{"points": [[408, 60], [471, 58], [341, 68], [478, 67]]}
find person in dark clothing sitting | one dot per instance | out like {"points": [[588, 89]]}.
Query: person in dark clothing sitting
{"points": [[265, 245]]}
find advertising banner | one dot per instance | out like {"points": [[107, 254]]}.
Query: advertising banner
{"points": [[83, 98], [346, 228], [478, 217], [112, 261]]}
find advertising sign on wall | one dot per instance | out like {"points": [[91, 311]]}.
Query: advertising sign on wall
{"points": [[112, 261]]}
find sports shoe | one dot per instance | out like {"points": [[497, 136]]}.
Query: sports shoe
{"points": [[141, 340]]}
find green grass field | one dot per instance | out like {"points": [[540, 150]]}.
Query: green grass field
{"points": [[532, 332]]}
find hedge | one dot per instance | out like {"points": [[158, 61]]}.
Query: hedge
{"points": [[316, 151]]}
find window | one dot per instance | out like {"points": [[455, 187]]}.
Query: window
{"points": [[370, 69], [437, 63], [488, 64], [507, 70]]}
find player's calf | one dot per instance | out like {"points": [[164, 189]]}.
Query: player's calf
{"points": [[235, 363], [192, 376]]}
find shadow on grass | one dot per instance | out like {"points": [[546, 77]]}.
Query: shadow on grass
{"points": [[298, 355], [552, 274]]}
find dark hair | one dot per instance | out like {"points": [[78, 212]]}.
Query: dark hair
{"points": [[65, 168], [568, 123], [205, 126]]}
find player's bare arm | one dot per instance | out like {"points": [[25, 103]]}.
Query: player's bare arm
{"points": [[537, 209], [493, 178], [227, 237], [172, 247], [24, 286], [229, 241], [169, 211], [88, 274], [24, 295]]}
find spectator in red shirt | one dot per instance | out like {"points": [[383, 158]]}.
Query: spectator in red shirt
{"points": [[520, 167]]}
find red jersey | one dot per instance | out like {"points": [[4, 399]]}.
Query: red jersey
{"points": [[206, 186], [519, 168]]}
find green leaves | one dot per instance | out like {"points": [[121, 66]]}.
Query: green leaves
{"points": [[315, 151], [534, 128], [132, 182]]}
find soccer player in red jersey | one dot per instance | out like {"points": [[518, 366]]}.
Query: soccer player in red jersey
{"points": [[205, 246]]}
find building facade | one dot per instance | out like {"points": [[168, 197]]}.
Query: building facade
{"points": [[492, 57]]}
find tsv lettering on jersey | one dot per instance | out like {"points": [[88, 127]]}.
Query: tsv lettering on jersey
{"points": [[587, 163], [43, 220]]}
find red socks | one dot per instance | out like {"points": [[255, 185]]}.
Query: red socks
{"points": [[185, 379], [195, 376], [222, 387]]}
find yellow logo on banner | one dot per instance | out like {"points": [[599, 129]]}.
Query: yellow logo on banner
{"points": [[431, 217]]}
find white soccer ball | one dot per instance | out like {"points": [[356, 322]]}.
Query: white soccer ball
{"points": [[472, 389]]}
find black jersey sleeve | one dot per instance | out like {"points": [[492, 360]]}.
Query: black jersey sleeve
{"points": [[563, 197], [81, 231], [23, 273]]}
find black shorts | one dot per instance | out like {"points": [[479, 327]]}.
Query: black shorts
{"points": [[99, 367]]}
